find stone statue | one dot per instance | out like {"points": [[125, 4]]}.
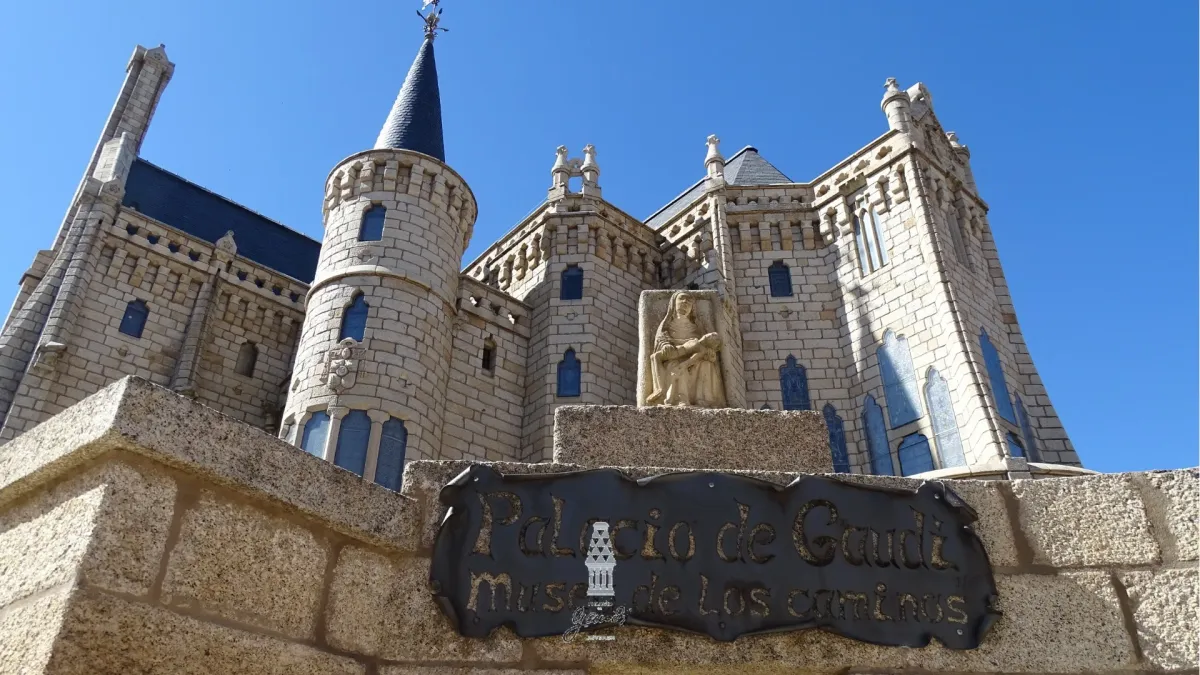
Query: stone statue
{"points": [[683, 364]]}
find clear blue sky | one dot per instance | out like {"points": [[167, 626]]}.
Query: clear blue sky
{"points": [[1081, 118]]}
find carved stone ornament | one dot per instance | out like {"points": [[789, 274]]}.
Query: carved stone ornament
{"points": [[683, 361], [226, 244], [341, 365]]}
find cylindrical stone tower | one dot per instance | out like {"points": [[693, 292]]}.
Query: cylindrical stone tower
{"points": [[895, 106], [372, 365]]}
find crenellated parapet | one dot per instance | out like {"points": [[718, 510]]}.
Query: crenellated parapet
{"points": [[493, 306]]}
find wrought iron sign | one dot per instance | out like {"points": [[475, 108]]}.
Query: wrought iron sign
{"points": [[711, 553]]}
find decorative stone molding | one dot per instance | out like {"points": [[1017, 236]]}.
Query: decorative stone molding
{"points": [[341, 365]]}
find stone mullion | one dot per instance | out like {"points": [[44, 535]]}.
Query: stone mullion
{"points": [[336, 413]]}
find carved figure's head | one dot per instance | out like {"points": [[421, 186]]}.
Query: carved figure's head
{"points": [[684, 304]]}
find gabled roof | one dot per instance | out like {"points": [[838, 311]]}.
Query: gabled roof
{"points": [[746, 167], [415, 122], [185, 206]]}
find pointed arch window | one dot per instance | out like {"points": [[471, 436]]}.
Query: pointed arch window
{"points": [[353, 436], [316, 432], [247, 359], [572, 283], [371, 228], [793, 382], [1015, 448], [780, 277], [1027, 432], [354, 319], [945, 426], [991, 359], [899, 380], [133, 321], [956, 237], [868, 233], [393, 443], [837, 439], [569, 375], [877, 442], [914, 455]]}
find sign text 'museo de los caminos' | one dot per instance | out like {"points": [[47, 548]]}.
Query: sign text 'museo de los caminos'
{"points": [[712, 553]]}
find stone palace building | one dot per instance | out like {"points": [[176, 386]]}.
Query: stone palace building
{"points": [[148, 526], [872, 293]]}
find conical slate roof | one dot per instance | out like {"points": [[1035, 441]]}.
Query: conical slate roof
{"points": [[415, 122]]}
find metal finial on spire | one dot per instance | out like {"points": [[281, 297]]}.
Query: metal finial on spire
{"points": [[432, 18]]}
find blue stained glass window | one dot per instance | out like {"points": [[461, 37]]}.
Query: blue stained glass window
{"points": [[837, 439], [793, 381], [945, 426], [1015, 449], [572, 283], [354, 320], [1027, 432], [372, 224], [389, 469], [914, 455], [316, 431], [899, 380], [877, 442], [991, 359], [568, 375], [353, 437], [780, 278], [133, 322]]}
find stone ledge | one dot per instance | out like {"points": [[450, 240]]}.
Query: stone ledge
{"points": [[135, 416], [701, 439]]}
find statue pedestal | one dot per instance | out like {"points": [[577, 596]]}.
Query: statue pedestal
{"points": [[692, 438]]}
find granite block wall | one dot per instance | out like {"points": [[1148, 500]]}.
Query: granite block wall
{"points": [[143, 537]]}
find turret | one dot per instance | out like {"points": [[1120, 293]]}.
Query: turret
{"points": [[895, 106], [373, 361]]}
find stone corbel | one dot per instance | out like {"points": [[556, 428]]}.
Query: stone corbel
{"points": [[899, 184]]}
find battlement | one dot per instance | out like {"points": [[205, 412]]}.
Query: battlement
{"points": [[493, 306]]}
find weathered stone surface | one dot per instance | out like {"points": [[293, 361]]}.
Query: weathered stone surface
{"points": [[994, 526], [455, 670], [109, 523], [103, 634], [1094, 520], [383, 607], [141, 418], [1173, 501], [1044, 620], [238, 562], [694, 438], [1164, 612], [28, 629], [452, 670]]}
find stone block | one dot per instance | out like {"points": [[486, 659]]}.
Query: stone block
{"points": [[104, 634], [238, 562], [28, 630], [109, 524], [693, 438], [455, 670], [1070, 623], [144, 419], [382, 607], [1173, 502], [1164, 614], [1086, 521], [994, 526]]}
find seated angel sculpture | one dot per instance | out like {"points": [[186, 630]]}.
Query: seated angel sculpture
{"points": [[683, 365]]}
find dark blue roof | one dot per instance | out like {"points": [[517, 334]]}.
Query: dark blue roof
{"points": [[415, 122], [183, 205], [745, 168]]}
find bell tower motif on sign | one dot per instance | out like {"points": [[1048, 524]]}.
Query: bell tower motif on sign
{"points": [[600, 562]]}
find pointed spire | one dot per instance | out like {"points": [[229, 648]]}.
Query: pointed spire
{"points": [[415, 122]]}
